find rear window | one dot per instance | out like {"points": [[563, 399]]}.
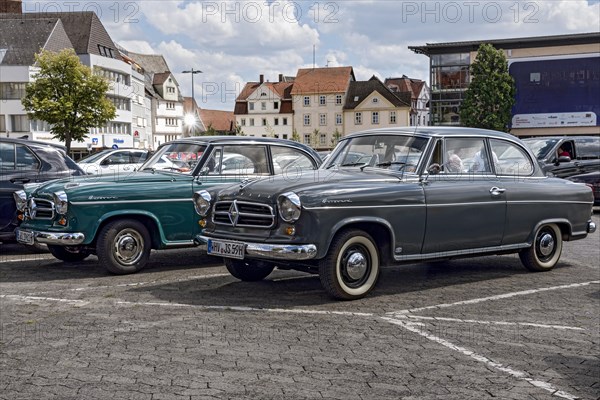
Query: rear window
{"points": [[588, 148]]}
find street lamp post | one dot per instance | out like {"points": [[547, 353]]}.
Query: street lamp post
{"points": [[193, 72]]}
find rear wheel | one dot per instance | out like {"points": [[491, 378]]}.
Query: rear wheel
{"points": [[546, 249], [248, 271], [68, 254], [123, 246], [350, 269]]}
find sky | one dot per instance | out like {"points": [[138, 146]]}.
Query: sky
{"points": [[233, 42]]}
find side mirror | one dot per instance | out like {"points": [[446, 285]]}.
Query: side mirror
{"points": [[106, 162], [563, 159]]}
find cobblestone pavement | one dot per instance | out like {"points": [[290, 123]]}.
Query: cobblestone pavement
{"points": [[185, 329]]}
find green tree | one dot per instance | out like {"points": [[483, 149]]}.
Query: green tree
{"points": [[295, 135], [238, 130], [66, 95], [210, 131], [315, 138], [491, 93], [335, 137]]}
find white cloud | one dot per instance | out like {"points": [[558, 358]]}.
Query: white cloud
{"points": [[137, 46]]}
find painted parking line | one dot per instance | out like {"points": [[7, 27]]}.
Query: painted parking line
{"points": [[491, 298], [16, 260], [40, 298], [404, 323], [473, 321]]}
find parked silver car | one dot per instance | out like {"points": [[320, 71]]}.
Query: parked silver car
{"points": [[414, 194]]}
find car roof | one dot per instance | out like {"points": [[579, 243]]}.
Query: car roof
{"points": [[214, 140], [562, 137], [33, 143], [434, 131]]}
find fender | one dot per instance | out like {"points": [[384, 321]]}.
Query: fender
{"points": [[558, 221], [126, 213], [353, 220]]}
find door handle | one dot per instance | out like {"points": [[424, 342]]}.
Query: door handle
{"points": [[20, 180], [496, 191]]}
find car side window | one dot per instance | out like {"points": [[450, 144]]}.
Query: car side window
{"points": [[138, 156], [466, 155], [244, 160], [588, 148], [511, 159], [290, 160], [117, 158], [26, 160], [7, 156]]}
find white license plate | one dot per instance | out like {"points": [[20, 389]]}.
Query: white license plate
{"points": [[225, 248], [25, 237]]}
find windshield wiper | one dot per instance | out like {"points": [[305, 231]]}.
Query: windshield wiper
{"points": [[390, 163]]}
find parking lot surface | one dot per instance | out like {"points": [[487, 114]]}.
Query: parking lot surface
{"points": [[183, 328]]}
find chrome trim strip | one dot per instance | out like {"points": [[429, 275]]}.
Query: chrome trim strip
{"points": [[274, 251], [380, 206], [57, 238], [78, 203], [455, 204], [453, 253], [548, 201]]}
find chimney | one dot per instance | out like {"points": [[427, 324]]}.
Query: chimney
{"points": [[11, 6], [262, 78], [280, 77]]}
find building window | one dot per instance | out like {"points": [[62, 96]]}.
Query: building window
{"points": [[243, 121], [251, 106], [392, 117], [285, 136], [375, 117], [338, 119], [306, 119], [284, 121], [169, 122], [322, 139], [357, 118], [264, 122], [322, 119], [276, 121], [106, 51], [307, 138], [306, 101], [322, 100], [2, 123], [12, 90], [112, 76], [338, 99], [275, 105], [38, 126], [19, 123], [170, 89], [375, 100], [251, 121], [121, 103], [263, 105], [170, 106]]}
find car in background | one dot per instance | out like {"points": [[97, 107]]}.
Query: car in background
{"points": [[583, 154], [121, 217], [25, 162], [592, 179], [401, 201], [114, 161]]}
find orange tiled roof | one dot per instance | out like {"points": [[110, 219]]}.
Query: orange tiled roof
{"points": [[222, 121], [322, 80]]}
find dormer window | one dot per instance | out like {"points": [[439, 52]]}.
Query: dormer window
{"points": [[263, 94], [375, 100]]}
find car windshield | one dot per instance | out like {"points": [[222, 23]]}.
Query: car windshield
{"points": [[92, 158], [541, 147], [175, 157], [393, 152]]}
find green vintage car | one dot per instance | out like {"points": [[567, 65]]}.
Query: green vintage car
{"points": [[120, 217]]}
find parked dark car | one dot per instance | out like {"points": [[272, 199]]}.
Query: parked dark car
{"points": [[121, 217], [592, 179], [579, 154], [23, 162], [416, 194]]}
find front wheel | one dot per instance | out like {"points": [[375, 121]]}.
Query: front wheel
{"points": [[350, 269], [248, 271], [123, 246], [68, 254], [546, 249]]}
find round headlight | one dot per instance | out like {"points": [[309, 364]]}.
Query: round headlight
{"points": [[202, 202], [20, 199], [290, 206], [61, 204]]}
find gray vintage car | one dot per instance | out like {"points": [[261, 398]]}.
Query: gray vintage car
{"points": [[393, 196]]}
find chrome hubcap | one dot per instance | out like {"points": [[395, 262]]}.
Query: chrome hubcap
{"points": [[546, 244], [356, 266], [129, 246]]}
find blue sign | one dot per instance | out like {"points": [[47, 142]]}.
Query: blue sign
{"points": [[114, 146], [95, 141]]}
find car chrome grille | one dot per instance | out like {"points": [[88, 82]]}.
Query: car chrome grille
{"points": [[243, 214], [40, 209]]}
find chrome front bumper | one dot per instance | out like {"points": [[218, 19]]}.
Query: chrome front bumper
{"points": [[56, 238], [591, 228], [268, 251]]}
